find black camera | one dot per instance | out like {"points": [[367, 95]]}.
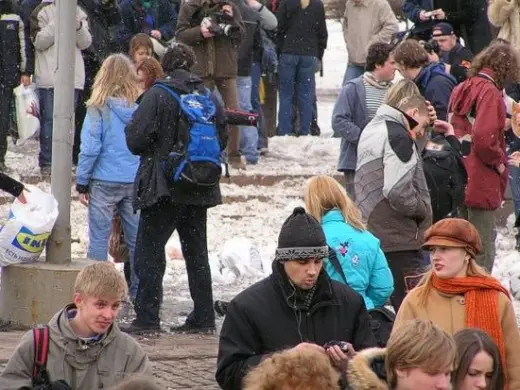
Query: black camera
{"points": [[241, 118], [220, 24], [432, 46], [341, 344]]}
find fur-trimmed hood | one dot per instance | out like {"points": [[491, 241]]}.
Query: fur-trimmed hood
{"points": [[367, 370]]}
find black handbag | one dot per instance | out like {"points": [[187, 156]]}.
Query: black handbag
{"points": [[381, 318]]}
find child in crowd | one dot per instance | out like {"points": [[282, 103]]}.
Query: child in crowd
{"points": [[86, 348], [106, 168], [141, 47]]}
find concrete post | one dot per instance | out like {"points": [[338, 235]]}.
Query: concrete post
{"points": [[32, 293], [58, 245]]}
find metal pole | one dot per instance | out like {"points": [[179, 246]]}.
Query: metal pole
{"points": [[58, 246]]}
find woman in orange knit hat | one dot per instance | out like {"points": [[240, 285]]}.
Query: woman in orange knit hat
{"points": [[456, 293]]}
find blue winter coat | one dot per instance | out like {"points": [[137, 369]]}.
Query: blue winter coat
{"points": [[104, 155], [361, 258]]}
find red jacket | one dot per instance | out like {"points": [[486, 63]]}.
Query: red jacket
{"points": [[480, 98]]}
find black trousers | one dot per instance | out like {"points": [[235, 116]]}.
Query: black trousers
{"points": [[6, 97], [406, 267], [156, 225]]}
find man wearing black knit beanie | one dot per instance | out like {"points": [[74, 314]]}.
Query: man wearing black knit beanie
{"points": [[298, 306]]}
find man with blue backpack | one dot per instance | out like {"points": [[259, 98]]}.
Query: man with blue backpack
{"points": [[179, 130]]}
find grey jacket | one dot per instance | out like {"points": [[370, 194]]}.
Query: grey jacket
{"points": [[349, 118], [390, 185], [99, 365]]}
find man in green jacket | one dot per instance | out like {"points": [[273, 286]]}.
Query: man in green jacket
{"points": [[86, 348]]}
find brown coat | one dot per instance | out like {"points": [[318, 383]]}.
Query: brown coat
{"points": [[448, 312], [216, 57]]}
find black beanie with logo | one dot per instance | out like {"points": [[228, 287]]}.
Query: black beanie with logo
{"points": [[301, 238]]}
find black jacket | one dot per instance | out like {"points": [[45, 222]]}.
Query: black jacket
{"points": [[152, 134], [459, 58], [103, 21], [251, 46], [269, 317], [15, 46], [302, 31]]}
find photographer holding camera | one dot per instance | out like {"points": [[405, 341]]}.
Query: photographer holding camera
{"points": [[298, 306], [425, 14], [214, 29]]}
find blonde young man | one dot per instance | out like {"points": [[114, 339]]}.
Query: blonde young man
{"points": [[86, 349]]}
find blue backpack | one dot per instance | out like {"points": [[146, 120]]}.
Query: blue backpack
{"points": [[195, 160]]}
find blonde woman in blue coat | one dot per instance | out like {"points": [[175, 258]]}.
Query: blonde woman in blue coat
{"points": [[357, 250]]}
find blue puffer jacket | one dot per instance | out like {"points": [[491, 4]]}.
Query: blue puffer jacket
{"points": [[104, 155], [361, 258]]}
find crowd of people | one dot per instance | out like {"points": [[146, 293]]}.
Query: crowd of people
{"points": [[381, 283]]}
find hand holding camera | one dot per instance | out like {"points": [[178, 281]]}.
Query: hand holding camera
{"points": [[437, 14], [205, 26], [340, 352]]}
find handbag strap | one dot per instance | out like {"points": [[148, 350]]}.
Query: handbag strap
{"points": [[333, 258]]}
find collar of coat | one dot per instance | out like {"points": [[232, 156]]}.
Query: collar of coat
{"points": [[366, 370], [322, 294]]}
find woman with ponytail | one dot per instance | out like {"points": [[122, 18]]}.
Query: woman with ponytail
{"points": [[457, 293]]}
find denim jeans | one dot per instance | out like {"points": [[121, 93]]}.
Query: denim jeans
{"points": [[256, 77], [104, 198], [248, 134], [46, 96], [353, 72], [514, 183], [296, 73]]}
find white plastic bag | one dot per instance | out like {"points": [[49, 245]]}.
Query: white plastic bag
{"points": [[24, 235], [242, 257], [27, 112]]}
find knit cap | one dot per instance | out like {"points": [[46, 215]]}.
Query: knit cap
{"points": [[301, 237]]}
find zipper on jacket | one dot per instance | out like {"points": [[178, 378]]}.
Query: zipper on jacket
{"points": [[417, 234]]}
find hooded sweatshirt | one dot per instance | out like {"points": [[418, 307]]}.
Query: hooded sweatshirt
{"points": [[104, 155], [436, 86], [477, 109], [96, 364]]}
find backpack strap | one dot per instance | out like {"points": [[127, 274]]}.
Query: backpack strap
{"points": [[41, 352], [337, 266], [170, 91]]}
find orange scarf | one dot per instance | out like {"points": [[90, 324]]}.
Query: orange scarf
{"points": [[481, 295]]}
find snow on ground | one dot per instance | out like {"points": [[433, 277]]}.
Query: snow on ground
{"points": [[257, 219]]}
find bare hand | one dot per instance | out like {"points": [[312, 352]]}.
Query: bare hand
{"points": [[25, 80], [501, 168], [431, 112], [307, 346], [443, 127], [514, 159], [21, 198], [339, 358], [83, 199], [156, 34], [439, 14], [206, 33], [228, 9], [425, 16]]}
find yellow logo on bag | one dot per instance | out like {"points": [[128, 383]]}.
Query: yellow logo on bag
{"points": [[30, 242]]}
